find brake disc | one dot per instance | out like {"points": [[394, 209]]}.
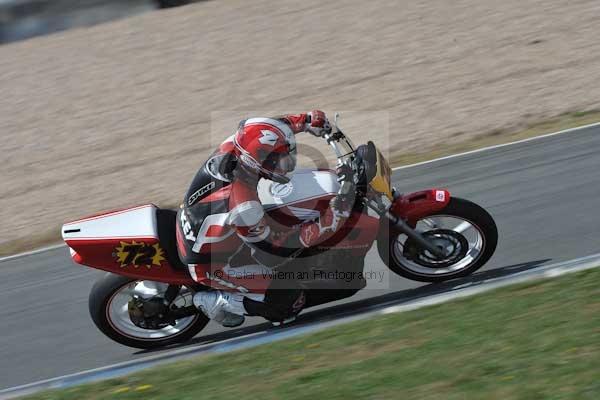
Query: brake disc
{"points": [[454, 244]]}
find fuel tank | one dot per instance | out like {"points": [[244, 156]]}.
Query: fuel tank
{"points": [[303, 198]]}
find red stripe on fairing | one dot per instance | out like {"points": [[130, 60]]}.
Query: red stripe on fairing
{"points": [[107, 213]]}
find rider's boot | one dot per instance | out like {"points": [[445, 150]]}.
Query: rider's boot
{"points": [[280, 307], [296, 308], [223, 307]]}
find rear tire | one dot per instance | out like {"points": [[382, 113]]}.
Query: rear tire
{"points": [[100, 297], [460, 209]]}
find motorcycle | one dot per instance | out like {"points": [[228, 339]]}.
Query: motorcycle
{"points": [[145, 299]]}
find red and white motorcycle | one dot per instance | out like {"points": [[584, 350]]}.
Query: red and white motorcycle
{"points": [[145, 300]]}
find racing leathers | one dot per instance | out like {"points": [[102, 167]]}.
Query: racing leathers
{"points": [[223, 201]]}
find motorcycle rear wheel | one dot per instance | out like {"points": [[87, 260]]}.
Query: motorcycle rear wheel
{"points": [[108, 309], [472, 250]]}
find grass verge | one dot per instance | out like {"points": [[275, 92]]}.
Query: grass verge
{"points": [[497, 136], [533, 341], [397, 158]]}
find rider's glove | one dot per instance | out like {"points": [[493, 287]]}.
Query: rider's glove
{"points": [[317, 123]]}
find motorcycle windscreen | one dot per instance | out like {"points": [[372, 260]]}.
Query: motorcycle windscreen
{"points": [[381, 182]]}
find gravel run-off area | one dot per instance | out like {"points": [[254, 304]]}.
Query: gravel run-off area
{"points": [[123, 113]]}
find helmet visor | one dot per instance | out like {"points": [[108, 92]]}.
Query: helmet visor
{"points": [[288, 163], [281, 163]]}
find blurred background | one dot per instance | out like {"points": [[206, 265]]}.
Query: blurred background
{"points": [[123, 108], [22, 19], [107, 104]]}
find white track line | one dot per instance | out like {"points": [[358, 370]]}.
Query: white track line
{"points": [[577, 128], [497, 146], [258, 338], [33, 252]]}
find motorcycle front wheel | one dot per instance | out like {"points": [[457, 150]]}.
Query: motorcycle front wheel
{"points": [[130, 312], [465, 231]]}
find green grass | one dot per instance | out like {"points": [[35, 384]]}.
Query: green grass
{"points": [[397, 157], [534, 341]]}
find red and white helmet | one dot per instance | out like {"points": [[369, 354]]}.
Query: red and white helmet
{"points": [[268, 147]]}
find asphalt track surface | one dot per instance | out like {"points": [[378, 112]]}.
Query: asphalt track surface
{"points": [[542, 193]]}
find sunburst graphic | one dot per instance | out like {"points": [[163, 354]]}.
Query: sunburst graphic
{"points": [[158, 257], [123, 254], [139, 254]]}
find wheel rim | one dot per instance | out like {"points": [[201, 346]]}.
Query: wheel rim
{"points": [[117, 312], [471, 232]]}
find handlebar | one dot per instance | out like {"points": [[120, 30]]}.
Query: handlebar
{"points": [[334, 144], [345, 151], [342, 146]]}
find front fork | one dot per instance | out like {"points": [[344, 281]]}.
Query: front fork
{"points": [[400, 225]]}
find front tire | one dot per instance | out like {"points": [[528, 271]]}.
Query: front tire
{"points": [[108, 309], [473, 250]]}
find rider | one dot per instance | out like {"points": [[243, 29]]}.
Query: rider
{"points": [[223, 199]]}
